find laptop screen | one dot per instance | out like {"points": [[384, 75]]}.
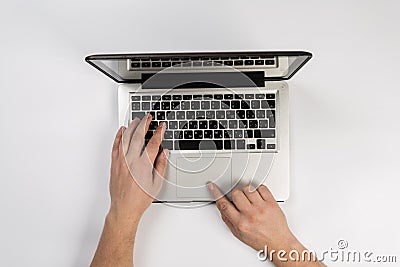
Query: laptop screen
{"points": [[198, 69]]}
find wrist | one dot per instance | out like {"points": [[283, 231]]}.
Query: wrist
{"points": [[125, 225]]}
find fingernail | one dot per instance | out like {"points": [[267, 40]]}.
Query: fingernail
{"points": [[211, 186], [251, 188]]}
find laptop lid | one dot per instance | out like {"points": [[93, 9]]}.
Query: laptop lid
{"points": [[192, 66]]}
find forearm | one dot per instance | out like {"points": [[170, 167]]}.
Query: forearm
{"points": [[116, 243]]}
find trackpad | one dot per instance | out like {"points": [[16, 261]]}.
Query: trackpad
{"points": [[193, 173]]}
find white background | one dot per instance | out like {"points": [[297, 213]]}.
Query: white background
{"points": [[58, 118]]}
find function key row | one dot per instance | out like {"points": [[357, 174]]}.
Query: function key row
{"points": [[215, 63], [199, 97]]}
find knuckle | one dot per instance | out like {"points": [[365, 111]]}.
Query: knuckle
{"points": [[223, 205], [242, 226]]}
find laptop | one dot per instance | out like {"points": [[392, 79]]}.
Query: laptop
{"points": [[226, 115]]}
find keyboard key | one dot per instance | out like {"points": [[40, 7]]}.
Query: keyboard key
{"points": [[238, 133], [135, 64], [205, 104], [197, 63], [260, 143], [170, 115], [240, 114], [266, 104], [166, 97], [175, 105], [207, 63], [167, 144], [208, 134], [198, 134], [190, 115], [218, 133], [187, 97], [193, 125], [228, 134], [155, 106], [245, 104], [135, 105], [235, 104], [173, 125], [153, 125], [255, 104], [259, 62], [197, 97], [264, 133], [188, 134], [233, 124], [215, 105], [228, 96], [166, 64], [135, 98], [243, 124], [225, 104], [200, 114], [218, 97], [249, 96], [137, 114], [156, 97], [263, 123], [185, 105], [145, 64], [223, 124], [253, 124], [183, 124], [248, 133], [260, 114], [240, 144], [176, 97], [238, 62], [168, 134], [148, 135], [180, 115], [203, 124], [251, 146], [207, 97], [210, 114], [260, 96], [228, 63], [238, 96], [229, 144], [160, 115], [269, 62], [146, 98], [248, 62], [212, 124], [220, 114], [145, 105], [250, 114], [178, 134], [156, 64], [230, 114], [165, 105], [199, 144], [270, 146], [270, 96]]}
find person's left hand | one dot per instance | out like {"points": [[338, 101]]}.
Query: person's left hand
{"points": [[136, 174]]}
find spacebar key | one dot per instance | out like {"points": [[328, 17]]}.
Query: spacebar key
{"points": [[198, 144]]}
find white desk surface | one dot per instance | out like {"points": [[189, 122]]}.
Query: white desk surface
{"points": [[59, 116]]}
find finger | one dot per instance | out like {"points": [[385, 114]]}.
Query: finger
{"points": [[230, 225], [252, 194], [153, 146], [265, 193], [240, 200], [127, 136], [160, 166], [117, 140], [226, 208], [137, 140]]}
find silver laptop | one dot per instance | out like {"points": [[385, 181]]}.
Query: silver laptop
{"points": [[226, 113]]}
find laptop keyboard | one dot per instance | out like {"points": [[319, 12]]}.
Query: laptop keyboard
{"points": [[211, 121], [203, 62]]}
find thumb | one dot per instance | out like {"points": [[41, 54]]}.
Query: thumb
{"points": [[160, 166]]}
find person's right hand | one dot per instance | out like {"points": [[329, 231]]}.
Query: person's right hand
{"points": [[254, 217]]}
